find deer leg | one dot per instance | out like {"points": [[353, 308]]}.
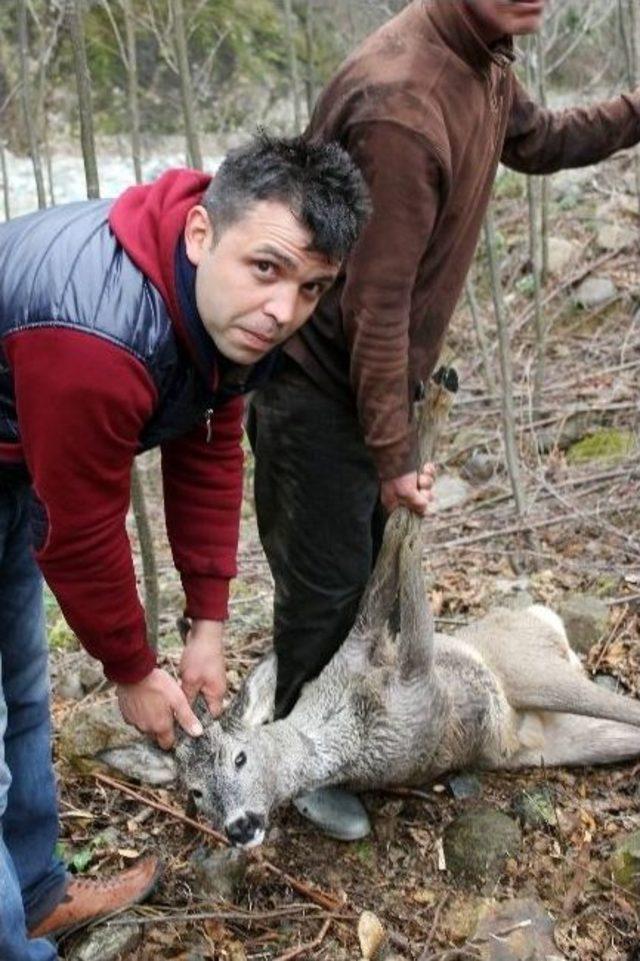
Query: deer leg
{"points": [[571, 740], [382, 588], [415, 645]]}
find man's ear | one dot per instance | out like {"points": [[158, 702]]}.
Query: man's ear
{"points": [[198, 234]]}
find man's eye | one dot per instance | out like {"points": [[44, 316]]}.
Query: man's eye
{"points": [[314, 290], [264, 267], [241, 759]]}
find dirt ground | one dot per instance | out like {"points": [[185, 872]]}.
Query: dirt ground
{"points": [[303, 889]]}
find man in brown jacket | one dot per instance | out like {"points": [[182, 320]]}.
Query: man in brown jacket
{"points": [[427, 106]]}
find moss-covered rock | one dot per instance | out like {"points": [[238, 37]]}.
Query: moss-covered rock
{"points": [[625, 863], [606, 445], [478, 843]]}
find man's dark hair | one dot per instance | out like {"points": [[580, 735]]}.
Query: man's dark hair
{"points": [[319, 182]]}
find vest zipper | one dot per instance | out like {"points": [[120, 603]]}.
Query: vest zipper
{"points": [[208, 421]]}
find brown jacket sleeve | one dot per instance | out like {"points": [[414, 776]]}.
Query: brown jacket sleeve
{"points": [[403, 177], [541, 141]]}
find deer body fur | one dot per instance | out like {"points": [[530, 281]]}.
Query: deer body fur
{"points": [[504, 693]]}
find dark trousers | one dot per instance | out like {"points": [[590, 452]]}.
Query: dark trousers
{"points": [[319, 517]]}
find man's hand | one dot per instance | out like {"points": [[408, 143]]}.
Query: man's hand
{"points": [[202, 669], [410, 490], [154, 703]]}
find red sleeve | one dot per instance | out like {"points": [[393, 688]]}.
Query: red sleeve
{"points": [[81, 404], [203, 495]]}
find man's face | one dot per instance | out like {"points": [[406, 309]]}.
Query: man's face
{"points": [[514, 17], [258, 281]]}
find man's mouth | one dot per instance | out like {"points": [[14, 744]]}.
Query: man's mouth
{"points": [[256, 339]]}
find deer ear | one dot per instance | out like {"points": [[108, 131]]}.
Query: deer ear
{"points": [[202, 712], [254, 704]]}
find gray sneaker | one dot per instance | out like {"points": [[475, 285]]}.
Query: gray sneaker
{"points": [[337, 813]]}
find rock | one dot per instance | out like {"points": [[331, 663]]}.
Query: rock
{"points": [[562, 254], [371, 936], [478, 468], [141, 761], [608, 682], [625, 863], [219, 874], [464, 786], [108, 942], [595, 291], [585, 619], [607, 446], [513, 593], [449, 491], [517, 930], [94, 728], [615, 236], [69, 687], [519, 601], [536, 808], [91, 673], [477, 844]]}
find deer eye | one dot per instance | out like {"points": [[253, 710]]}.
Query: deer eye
{"points": [[241, 759]]}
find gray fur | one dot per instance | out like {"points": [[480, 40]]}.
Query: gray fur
{"points": [[505, 693]]}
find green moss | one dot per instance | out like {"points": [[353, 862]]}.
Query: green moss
{"points": [[625, 863], [607, 444]]}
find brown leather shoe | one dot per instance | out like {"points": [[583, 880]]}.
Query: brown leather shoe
{"points": [[87, 899]]}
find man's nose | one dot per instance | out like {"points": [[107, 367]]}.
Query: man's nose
{"points": [[283, 305], [244, 829]]}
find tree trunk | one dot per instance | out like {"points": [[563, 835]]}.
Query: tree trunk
{"points": [[148, 555], [310, 77], [629, 24], [508, 416], [535, 225], [544, 194], [472, 301], [186, 86], [132, 89], [293, 65], [47, 158], [76, 29], [5, 182], [27, 106]]}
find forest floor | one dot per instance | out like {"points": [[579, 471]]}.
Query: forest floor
{"points": [[585, 519]]}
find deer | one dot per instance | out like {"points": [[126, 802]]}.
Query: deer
{"points": [[404, 707]]}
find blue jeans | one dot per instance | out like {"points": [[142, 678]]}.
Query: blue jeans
{"points": [[32, 878]]}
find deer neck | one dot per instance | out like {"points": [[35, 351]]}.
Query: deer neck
{"points": [[308, 757]]}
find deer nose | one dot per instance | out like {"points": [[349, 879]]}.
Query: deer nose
{"points": [[244, 829]]}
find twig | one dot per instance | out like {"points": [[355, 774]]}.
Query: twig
{"points": [[309, 946], [533, 525], [434, 925]]}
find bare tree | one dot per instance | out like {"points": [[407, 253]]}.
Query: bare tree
{"points": [[293, 65], [75, 15], [5, 182], [129, 57], [504, 349], [629, 22], [27, 103], [534, 199], [186, 85]]}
